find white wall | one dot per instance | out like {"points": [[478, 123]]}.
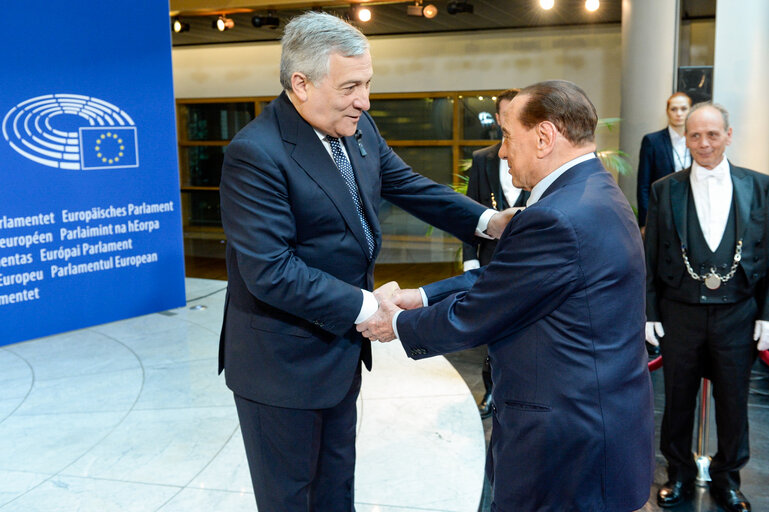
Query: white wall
{"points": [[588, 56]]}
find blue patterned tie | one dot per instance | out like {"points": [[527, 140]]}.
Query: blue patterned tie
{"points": [[345, 168]]}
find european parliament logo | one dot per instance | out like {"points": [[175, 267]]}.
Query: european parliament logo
{"points": [[71, 131]]}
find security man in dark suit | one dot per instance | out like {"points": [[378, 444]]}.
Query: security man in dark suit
{"points": [[489, 183], [706, 298], [663, 152], [301, 186]]}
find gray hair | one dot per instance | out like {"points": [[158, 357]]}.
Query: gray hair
{"points": [[308, 41], [703, 104]]}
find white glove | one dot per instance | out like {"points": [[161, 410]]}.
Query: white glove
{"points": [[656, 327], [761, 334]]}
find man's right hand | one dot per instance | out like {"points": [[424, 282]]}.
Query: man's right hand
{"points": [[407, 299], [653, 328]]}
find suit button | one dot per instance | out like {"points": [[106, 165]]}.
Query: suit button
{"points": [[724, 299], [755, 276], [667, 244], [668, 260], [703, 298], [756, 258]]}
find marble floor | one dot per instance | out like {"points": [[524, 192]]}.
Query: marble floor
{"points": [[131, 416]]}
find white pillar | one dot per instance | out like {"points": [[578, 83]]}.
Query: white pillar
{"points": [[741, 78], [649, 47]]}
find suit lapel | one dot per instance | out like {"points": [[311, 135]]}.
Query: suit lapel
{"points": [[679, 193], [743, 192], [492, 175], [668, 145], [314, 160]]}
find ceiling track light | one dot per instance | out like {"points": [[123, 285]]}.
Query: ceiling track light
{"points": [[223, 23], [546, 4], [592, 5], [458, 7], [269, 21], [429, 11], [178, 26]]}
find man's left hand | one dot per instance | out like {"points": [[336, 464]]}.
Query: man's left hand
{"points": [[761, 334], [380, 325], [498, 221]]}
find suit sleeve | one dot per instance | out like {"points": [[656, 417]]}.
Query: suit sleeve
{"points": [[260, 225], [470, 251], [430, 202], [645, 163], [651, 250], [533, 271]]}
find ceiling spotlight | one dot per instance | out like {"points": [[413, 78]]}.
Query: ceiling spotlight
{"points": [[223, 23], [269, 21], [178, 26], [546, 4], [430, 11], [592, 5], [457, 7], [360, 13]]}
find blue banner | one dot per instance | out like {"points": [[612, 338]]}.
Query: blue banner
{"points": [[90, 215]]}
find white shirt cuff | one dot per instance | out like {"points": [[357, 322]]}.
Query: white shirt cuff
{"points": [[483, 223], [470, 265], [424, 297], [368, 308], [395, 324]]}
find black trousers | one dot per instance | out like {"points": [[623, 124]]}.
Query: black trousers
{"points": [[301, 460], [716, 340]]}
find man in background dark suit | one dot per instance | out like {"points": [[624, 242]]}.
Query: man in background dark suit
{"points": [[300, 190], [706, 297], [489, 183], [561, 308], [663, 152]]}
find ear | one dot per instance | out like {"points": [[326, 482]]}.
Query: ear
{"points": [[546, 137], [299, 85]]}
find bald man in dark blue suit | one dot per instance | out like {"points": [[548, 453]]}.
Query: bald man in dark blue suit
{"points": [[561, 307]]}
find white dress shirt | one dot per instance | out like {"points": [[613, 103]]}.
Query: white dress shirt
{"points": [[682, 159], [506, 182], [712, 191]]}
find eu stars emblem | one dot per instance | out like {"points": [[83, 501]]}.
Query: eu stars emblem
{"points": [[108, 147]]}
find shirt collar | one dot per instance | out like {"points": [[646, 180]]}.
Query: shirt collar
{"points": [[674, 137], [719, 172], [544, 183]]}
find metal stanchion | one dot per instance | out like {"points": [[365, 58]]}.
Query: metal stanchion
{"points": [[701, 458]]}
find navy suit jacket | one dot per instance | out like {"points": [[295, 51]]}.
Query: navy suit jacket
{"points": [[654, 162], [297, 256], [561, 307], [667, 227], [482, 182]]}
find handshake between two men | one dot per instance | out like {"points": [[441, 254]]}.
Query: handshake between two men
{"points": [[392, 300]]}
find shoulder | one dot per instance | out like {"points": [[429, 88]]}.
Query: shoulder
{"points": [[489, 151], [656, 137], [756, 176]]}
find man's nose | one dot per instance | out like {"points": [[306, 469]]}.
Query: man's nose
{"points": [[361, 101]]}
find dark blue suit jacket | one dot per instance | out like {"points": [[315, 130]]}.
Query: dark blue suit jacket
{"points": [[654, 162], [297, 256], [561, 307]]}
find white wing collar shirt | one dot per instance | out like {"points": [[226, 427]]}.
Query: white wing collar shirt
{"points": [[712, 191]]}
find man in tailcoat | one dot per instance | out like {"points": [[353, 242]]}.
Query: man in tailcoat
{"points": [[706, 301]]}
